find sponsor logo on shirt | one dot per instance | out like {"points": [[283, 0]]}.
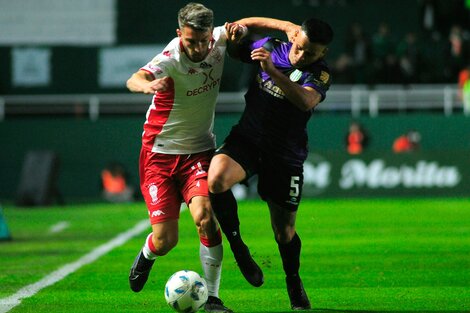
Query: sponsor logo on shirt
{"points": [[208, 84], [270, 88]]}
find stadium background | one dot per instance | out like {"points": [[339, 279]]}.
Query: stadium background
{"points": [[85, 145]]}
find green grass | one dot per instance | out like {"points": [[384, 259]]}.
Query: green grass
{"points": [[381, 255]]}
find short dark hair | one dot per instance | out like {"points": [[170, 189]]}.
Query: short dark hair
{"points": [[196, 16], [318, 31]]}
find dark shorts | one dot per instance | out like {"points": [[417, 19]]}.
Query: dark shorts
{"points": [[278, 181]]}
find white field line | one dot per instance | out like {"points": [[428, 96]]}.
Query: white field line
{"points": [[58, 227], [8, 303]]}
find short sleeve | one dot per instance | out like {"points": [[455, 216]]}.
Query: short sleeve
{"points": [[219, 34], [319, 79], [158, 67], [246, 46]]}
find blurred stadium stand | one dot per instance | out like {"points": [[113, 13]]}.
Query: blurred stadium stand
{"points": [[355, 100], [64, 63]]}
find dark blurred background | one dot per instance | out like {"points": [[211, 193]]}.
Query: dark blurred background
{"points": [[398, 67]]}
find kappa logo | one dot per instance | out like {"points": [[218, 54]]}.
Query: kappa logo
{"points": [[157, 213]]}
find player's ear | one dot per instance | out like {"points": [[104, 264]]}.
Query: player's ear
{"points": [[178, 32]]}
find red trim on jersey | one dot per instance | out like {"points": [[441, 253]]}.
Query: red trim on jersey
{"points": [[158, 116], [145, 70]]}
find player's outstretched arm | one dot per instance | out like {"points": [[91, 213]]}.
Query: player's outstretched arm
{"points": [[265, 24], [143, 82], [304, 98]]}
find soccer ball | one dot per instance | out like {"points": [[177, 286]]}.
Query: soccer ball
{"points": [[186, 291]]}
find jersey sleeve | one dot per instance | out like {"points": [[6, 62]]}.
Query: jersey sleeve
{"points": [[246, 46], [159, 66], [220, 35], [319, 79]]}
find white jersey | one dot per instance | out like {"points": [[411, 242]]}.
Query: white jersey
{"points": [[181, 119]]}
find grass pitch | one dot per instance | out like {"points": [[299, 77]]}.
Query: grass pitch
{"points": [[381, 255]]}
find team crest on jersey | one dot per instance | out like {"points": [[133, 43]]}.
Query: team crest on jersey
{"points": [[153, 191], [295, 75], [205, 65], [324, 77]]}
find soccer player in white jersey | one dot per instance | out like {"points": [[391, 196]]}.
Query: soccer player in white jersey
{"points": [[178, 143]]}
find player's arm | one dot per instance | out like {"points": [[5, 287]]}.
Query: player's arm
{"points": [[304, 98], [266, 24], [239, 29], [143, 82]]}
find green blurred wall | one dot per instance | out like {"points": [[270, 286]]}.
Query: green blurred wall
{"points": [[85, 147]]}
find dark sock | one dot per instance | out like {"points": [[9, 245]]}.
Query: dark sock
{"points": [[225, 208], [290, 254]]}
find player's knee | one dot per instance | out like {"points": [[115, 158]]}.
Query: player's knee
{"points": [[217, 183], [284, 236], [205, 224], [164, 244]]}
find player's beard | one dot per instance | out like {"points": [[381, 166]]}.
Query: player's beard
{"points": [[196, 57]]}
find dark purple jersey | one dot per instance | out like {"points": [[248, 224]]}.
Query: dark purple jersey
{"points": [[270, 120]]}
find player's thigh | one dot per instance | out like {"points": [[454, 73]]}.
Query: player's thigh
{"points": [[192, 175], [235, 161], [159, 188], [280, 184], [224, 172]]}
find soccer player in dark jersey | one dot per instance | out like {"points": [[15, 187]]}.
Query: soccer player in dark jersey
{"points": [[270, 140]]}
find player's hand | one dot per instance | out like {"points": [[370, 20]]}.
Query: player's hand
{"points": [[235, 32], [264, 57], [292, 31], [157, 85]]}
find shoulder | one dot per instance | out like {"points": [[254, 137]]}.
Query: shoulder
{"points": [[219, 33], [318, 76], [272, 44], [320, 70], [169, 55]]}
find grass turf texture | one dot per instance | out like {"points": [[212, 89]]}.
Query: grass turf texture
{"points": [[381, 255]]}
